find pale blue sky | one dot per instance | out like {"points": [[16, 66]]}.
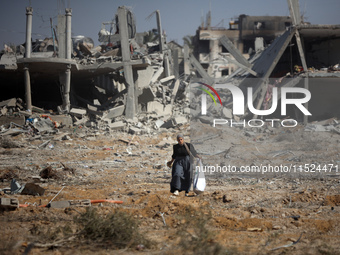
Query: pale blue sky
{"points": [[179, 17]]}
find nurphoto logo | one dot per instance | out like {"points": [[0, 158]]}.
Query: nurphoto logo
{"points": [[238, 104]]}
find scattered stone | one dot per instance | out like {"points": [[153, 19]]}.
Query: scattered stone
{"points": [[9, 203], [226, 199], [80, 113], [115, 112]]}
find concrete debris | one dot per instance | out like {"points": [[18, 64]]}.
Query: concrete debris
{"points": [[79, 113], [111, 113], [59, 204], [159, 108], [119, 125], [144, 77], [166, 79], [9, 203], [227, 113], [135, 130], [105, 99], [159, 123], [322, 128], [180, 120], [157, 74], [44, 125], [115, 112]]}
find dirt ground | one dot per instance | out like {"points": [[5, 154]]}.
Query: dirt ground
{"points": [[237, 214]]}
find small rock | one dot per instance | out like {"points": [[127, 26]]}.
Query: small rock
{"points": [[226, 199]]}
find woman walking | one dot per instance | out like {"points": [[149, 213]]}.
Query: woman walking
{"points": [[182, 166]]}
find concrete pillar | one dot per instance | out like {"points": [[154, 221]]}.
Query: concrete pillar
{"points": [[66, 81], [28, 98], [186, 61], [61, 31], [176, 63], [161, 45], [214, 50], [130, 108], [166, 64], [160, 32], [69, 47], [29, 13]]}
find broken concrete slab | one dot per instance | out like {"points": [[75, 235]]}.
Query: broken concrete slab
{"points": [[79, 113], [169, 78], [44, 125], [159, 123], [227, 113], [3, 110], [9, 103], [25, 113], [60, 204], [179, 120], [157, 75], [94, 110], [13, 131], [135, 131], [174, 91], [37, 109], [80, 122], [9, 203], [144, 77], [186, 110], [159, 108], [115, 112], [6, 120], [119, 125]]}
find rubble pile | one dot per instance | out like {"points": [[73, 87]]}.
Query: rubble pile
{"points": [[160, 96]]}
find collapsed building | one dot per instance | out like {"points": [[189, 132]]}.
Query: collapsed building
{"points": [[124, 76], [127, 77], [302, 55], [248, 34]]}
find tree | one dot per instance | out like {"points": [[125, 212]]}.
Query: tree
{"points": [[189, 40], [150, 36]]}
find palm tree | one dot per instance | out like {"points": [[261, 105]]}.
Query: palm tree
{"points": [[189, 40], [150, 36]]}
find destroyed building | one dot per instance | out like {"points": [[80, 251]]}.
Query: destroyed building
{"points": [[128, 77], [300, 55], [68, 75], [248, 33]]}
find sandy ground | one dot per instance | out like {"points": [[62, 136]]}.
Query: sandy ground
{"points": [[255, 213]]}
